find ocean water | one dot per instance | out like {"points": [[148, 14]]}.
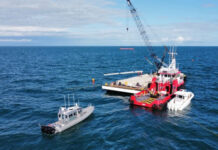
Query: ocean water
{"points": [[33, 81]]}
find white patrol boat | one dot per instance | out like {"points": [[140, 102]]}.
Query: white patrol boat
{"points": [[181, 100], [68, 117]]}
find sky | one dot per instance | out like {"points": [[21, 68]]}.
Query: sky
{"points": [[104, 22]]}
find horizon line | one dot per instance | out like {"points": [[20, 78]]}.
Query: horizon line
{"points": [[103, 46]]}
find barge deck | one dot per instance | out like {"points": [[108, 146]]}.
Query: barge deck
{"points": [[130, 85]]}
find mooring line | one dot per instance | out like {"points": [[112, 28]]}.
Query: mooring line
{"points": [[84, 87]]}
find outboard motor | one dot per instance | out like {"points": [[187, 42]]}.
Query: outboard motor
{"points": [[48, 129]]}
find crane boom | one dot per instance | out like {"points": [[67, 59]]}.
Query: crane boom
{"points": [[144, 36]]}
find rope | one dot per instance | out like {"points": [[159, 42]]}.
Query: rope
{"points": [[85, 87]]}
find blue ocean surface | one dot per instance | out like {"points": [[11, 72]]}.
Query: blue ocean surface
{"points": [[33, 81]]}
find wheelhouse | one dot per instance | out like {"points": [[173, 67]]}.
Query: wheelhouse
{"points": [[67, 114]]}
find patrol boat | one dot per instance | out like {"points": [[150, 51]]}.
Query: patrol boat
{"points": [[68, 117]]}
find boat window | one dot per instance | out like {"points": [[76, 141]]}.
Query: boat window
{"points": [[59, 116], [70, 115], [74, 114], [165, 75], [65, 116], [79, 110], [62, 116]]}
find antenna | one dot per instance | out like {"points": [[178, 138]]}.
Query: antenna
{"points": [[64, 101], [68, 100], [169, 53], [73, 100], [172, 53]]}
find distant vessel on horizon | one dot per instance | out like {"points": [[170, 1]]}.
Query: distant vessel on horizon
{"points": [[126, 48]]}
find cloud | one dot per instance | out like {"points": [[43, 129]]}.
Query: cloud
{"points": [[168, 34], [58, 13], [30, 31], [185, 33], [66, 18], [179, 39], [96, 22], [15, 40]]}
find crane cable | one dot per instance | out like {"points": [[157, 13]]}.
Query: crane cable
{"points": [[144, 36]]}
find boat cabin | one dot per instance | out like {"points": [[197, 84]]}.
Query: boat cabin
{"points": [[182, 94], [69, 113], [168, 79]]}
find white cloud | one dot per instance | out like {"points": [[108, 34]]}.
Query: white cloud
{"points": [[30, 29], [189, 33], [15, 40], [99, 21], [179, 39], [58, 13], [66, 18]]}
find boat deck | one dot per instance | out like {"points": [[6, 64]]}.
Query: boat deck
{"points": [[138, 81], [126, 87], [148, 99]]}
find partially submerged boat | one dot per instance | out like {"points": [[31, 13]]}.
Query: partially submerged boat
{"points": [[181, 100], [68, 117], [164, 84]]}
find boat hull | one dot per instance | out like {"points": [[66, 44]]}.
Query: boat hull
{"points": [[86, 113], [174, 105], [156, 104], [62, 126]]}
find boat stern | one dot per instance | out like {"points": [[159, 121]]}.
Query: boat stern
{"points": [[48, 129]]}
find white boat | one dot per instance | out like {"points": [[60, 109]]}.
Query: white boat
{"points": [[68, 117], [181, 100]]}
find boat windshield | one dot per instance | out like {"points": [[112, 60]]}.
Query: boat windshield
{"points": [[180, 96]]}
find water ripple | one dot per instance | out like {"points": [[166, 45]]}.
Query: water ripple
{"points": [[34, 79]]}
